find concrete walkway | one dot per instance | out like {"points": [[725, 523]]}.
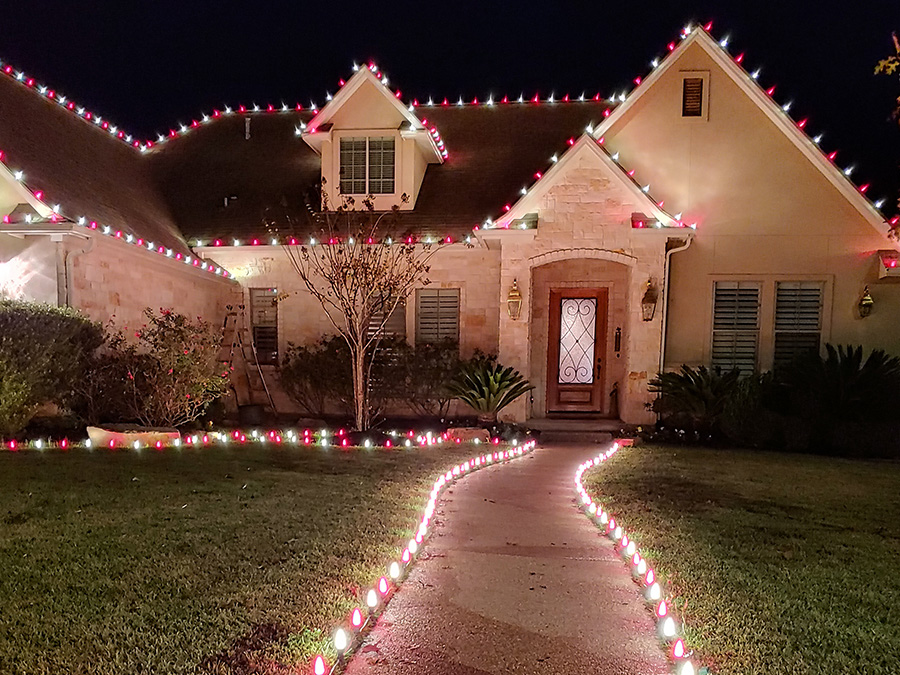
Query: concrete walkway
{"points": [[515, 580]]}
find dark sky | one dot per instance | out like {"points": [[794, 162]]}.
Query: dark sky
{"points": [[147, 65]]}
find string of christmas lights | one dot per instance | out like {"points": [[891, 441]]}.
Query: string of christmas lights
{"points": [[667, 625], [349, 635], [324, 438], [56, 217], [621, 97]]}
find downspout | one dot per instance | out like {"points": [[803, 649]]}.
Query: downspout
{"points": [[665, 307], [70, 257]]}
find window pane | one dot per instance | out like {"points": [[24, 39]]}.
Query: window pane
{"points": [[735, 338], [353, 166], [381, 165], [798, 319], [437, 315]]}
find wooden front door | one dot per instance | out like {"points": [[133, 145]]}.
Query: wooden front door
{"points": [[576, 350]]}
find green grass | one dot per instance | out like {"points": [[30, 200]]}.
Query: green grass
{"points": [[224, 560], [782, 563]]}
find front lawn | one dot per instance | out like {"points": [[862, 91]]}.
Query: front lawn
{"points": [[210, 560], [782, 563]]}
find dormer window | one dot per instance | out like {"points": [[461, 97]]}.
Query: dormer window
{"points": [[367, 165]]}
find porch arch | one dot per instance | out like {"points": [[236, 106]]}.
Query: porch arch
{"points": [[575, 253]]}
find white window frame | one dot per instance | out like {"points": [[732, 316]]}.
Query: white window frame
{"points": [[704, 110], [367, 163]]}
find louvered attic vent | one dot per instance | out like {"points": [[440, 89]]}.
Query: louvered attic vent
{"points": [[692, 97]]}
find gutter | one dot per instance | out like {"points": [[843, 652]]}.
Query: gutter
{"points": [[665, 307]]}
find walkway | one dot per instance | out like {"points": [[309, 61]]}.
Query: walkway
{"points": [[515, 580]]}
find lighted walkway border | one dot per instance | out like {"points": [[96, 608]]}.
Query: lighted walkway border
{"points": [[667, 626]]}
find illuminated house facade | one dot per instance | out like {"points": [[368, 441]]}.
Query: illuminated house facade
{"points": [[693, 222]]}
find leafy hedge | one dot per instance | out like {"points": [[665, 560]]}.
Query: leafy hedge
{"points": [[843, 402], [44, 355]]}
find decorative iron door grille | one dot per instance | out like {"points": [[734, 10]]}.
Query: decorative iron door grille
{"points": [[577, 335]]}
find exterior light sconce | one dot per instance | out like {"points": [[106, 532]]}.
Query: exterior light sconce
{"points": [[648, 302], [866, 304], [514, 301]]}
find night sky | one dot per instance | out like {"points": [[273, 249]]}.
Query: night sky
{"points": [[149, 65]]}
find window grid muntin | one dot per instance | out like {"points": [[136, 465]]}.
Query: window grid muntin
{"points": [[367, 165]]}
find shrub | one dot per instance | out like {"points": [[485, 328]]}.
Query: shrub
{"points": [[488, 387], [843, 390], [696, 399], [44, 351], [428, 371], [171, 372], [318, 376]]}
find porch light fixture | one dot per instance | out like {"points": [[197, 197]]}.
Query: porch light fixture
{"points": [[514, 301], [648, 302], [866, 303]]}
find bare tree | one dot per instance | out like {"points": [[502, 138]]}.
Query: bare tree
{"points": [[360, 273]]}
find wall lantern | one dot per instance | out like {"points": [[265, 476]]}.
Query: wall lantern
{"points": [[866, 303], [514, 301], [648, 302]]}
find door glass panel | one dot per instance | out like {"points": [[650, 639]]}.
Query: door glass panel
{"points": [[577, 334]]}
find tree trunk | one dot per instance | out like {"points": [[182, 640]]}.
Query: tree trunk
{"points": [[360, 390]]}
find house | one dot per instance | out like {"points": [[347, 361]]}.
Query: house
{"points": [[588, 242]]}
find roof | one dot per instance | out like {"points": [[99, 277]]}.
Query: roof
{"points": [[494, 151], [210, 182], [82, 167]]}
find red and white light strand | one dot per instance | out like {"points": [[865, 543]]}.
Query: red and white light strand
{"points": [[324, 438], [667, 625], [348, 636], [56, 217]]}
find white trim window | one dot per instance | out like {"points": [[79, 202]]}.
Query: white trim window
{"points": [[798, 319], [735, 334], [367, 165]]}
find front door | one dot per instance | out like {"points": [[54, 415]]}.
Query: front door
{"points": [[576, 350]]}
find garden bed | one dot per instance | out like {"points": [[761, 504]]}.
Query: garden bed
{"points": [[778, 563], [230, 559]]}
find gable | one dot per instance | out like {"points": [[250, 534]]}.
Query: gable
{"points": [[367, 108], [745, 168]]}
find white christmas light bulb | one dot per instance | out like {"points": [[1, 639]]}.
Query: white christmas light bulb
{"points": [[371, 599], [340, 640], [755, 74], [394, 570], [668, 627]]}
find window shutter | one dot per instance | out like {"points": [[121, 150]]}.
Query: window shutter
{"points": [[264, 323], [437, 315], [798, 319], [692, 97], [735, 338], [396, 323]]}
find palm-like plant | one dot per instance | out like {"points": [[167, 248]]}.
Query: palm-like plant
{"points": [[697, 398], [488, 388]]}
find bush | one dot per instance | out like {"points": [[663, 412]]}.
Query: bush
{"points": [[167, 377], [488, 387], [428, 371], [318, 376], [841, 394], [44, 354], [695, 399], [839, 403]]}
